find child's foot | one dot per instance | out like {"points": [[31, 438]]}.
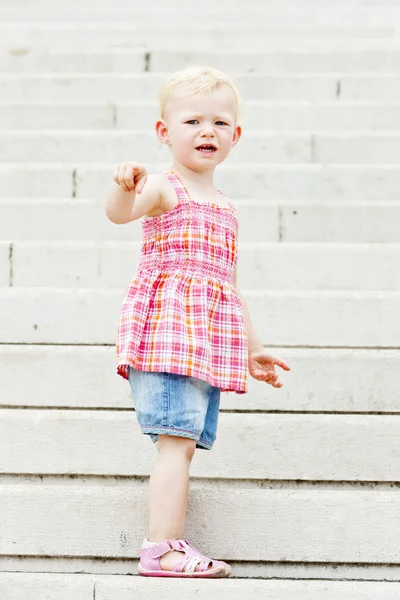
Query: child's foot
{"points": [[170, 559], [178, 558]]}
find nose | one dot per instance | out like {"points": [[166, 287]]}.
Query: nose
{"points": [[207, 130]]}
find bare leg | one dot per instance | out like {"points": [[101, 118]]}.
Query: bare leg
{"points": [[168, 492]]}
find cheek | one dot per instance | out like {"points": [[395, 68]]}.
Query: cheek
{"points": [[184, 141], [226, 141]]}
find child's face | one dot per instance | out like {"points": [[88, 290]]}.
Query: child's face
{"points": [[200, 128]]}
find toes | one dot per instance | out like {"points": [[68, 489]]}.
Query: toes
{"points": [[209, 566]]}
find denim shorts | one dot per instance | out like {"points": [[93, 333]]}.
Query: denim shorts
{"points": [[172, 404]]}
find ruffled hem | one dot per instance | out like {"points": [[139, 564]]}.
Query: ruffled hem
{"points": [[184, 323], [122, 369]]}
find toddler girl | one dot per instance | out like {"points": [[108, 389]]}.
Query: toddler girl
{"points": [[184, 333]]}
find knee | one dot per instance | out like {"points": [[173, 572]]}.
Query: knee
{"points": [[173, 443]]}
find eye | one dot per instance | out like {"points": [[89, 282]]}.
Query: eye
{"points": [[192, 121], [221, 123]]}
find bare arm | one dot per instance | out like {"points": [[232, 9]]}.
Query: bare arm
{"points": [[254, 342], [129, 201], [119, 205]]}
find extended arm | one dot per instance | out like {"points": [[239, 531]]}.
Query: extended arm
{"points": [[254, 342], [261, 363]]}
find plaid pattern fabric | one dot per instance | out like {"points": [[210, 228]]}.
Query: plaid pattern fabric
{"points": [[181, 313]]}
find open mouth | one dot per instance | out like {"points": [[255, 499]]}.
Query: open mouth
{"points": [[207, 148]]}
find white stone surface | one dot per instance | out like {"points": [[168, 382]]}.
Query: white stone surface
{"points": [[308, 116], [90, 519], [55, 586], [260, 221], [4, 264], [18, 586], [29, 115], [262, 265], [105, 147], [80, 219], [271, 181], [339, 221], [273, 60], [130, 34], [126, 87], [299, 465], [317, 183], [262, 147], [273, 115], [283, 447], [305, 318], [209, 5], [320, 380], [281, 60]]}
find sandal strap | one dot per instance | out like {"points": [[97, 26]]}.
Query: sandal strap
{"points": [[159, 549], [180, 545], [187, 564], [199, 554], [191, 559]]}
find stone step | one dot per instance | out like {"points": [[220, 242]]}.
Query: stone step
{"points": [[338, 380], [75, 518], [276, 447], [241, 570], [282, 318], [59, 586], [330, 44], [279, 61], [290, 266], [282, 60], [294, 182], [124, 87], [306, 13], [256, 114], [81, 219], [209, 5], [360, 147], [15, 36]]}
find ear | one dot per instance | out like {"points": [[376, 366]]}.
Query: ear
{"points": [[161, 128], [236, 135]]}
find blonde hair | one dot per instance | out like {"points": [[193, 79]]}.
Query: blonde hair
{"points": [[197, 79]]}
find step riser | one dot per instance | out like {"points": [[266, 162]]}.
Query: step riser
{"points": [[274, 61], [296, 183], [342, 380], [291, 524], [191, 37], [305, 14], [278, 117], [280, 447], [208, 5], [259, 222], [85, 587], [120, 88], [262, 266], [358, 148], [356, 319]]}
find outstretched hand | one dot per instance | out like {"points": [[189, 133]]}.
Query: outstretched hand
{"points": [[262, 367]]}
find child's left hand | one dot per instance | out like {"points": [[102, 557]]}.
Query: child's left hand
{"points": [[262, 367]]}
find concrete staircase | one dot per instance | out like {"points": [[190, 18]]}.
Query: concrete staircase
{"points": [[301, 493]]}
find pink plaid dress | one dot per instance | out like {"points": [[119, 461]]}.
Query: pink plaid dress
{"points": [[181, 313]]}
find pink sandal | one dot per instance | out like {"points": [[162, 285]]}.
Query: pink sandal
{"points": [[149, 564]]}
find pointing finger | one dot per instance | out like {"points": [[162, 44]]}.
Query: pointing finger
{"points": [[281, 363]]}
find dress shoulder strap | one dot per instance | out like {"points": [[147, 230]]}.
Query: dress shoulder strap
{"points": [[178, 186], [227, 200], [183, 193]]}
